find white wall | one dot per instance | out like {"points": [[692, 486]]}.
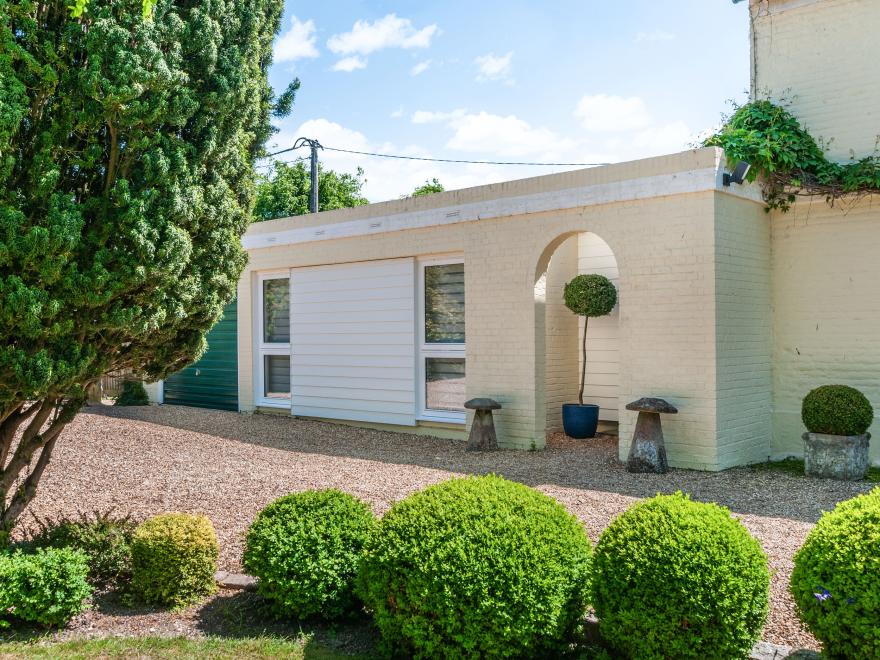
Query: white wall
{"points": [[603, 368], [353, 341]]}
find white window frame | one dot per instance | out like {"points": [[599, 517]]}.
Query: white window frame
{"points": [[425, 350], [264, 348]]}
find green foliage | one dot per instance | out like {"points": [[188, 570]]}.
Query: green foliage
{"points": [[286, 191], [174, 559], [836, 410], [126, 179], [105, 539], [428, 188], [133, 394], [836, 579], [48, 587], [679, 579], [305, 549], [590, 295], [477, 567], [788, 158]]}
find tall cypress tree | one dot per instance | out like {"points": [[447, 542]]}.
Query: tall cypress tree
{"points": [[128, 132]]}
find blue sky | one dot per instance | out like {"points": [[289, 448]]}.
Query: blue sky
{"points": [[589, 81]]}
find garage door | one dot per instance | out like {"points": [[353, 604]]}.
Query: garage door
{"points": [[212, 382]]}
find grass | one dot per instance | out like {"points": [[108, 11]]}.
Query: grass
{"points": [[795, 467], [155, 647]]}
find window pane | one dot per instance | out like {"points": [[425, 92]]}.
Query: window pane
{"points": [[444, 304], [276, 311], [276, 376], [444, 383]]}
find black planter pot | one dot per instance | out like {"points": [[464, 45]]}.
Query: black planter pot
{"points": [[580, 420]]}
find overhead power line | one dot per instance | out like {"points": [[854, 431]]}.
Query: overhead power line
{"points": [[439, 160]]}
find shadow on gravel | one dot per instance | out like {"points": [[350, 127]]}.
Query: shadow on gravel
{"points": [[588, 465], [243, 614]]}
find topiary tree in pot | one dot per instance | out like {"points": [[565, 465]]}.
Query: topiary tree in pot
{"points": [[589, 296], [837, 418]]}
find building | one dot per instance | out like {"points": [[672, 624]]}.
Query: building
{"points": [[393, 314]]}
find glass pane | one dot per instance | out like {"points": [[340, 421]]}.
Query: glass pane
{"points": [[444, 383], [276, 311], [276, 376], [444, 304]]}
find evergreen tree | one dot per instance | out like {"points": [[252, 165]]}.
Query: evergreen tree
{"points": [[127, 144]]}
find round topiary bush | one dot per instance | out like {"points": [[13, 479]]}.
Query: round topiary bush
{"points": [[590, 295], [305, 549], [48, 587], [836, 579], [133, 394], [837, 410], [679, 579], [174, 559], [476, 567]]}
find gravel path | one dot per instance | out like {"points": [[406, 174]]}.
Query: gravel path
{"points": [[228, 466]]}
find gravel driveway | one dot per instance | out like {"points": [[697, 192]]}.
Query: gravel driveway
{"points": [[228, 466]]}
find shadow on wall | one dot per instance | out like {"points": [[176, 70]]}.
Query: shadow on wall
{"points": [[590, 465]]}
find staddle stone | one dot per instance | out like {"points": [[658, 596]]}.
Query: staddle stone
{"points": [[482, 436], [647, 453]]}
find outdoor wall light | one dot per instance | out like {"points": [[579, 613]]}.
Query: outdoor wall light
{"points": [[739, 173]]}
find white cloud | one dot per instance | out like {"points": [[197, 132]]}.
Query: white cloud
{"points": [[430, 117], [494, 67], [397, 114], [349, 64], [654, 35], [391, 31], [420, 67], [297, 43], [495, 136], [602, 113]]}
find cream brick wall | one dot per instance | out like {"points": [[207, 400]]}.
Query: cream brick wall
{"points": [[743, 320], [826, 310], [822, 54], [665, 245]]}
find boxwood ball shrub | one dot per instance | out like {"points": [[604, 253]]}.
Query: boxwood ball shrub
{"points": [[679, 579], [477, 567], [174, 558], [48, 586], [837, 410], [305, 549], [590, 295], [836, 579]]}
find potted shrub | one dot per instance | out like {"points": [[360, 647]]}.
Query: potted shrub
{"points": [[588, 296], [837, 418]]}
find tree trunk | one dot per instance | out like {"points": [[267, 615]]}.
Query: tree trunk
{"points": [[37, 426], [583, 362]]}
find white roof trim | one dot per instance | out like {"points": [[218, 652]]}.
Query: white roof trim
{"points": [[678, 183]]}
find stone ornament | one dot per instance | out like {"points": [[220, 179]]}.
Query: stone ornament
{"points": [[647, 453]]}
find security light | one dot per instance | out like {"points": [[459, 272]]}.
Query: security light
{"points": [[739, 173]]}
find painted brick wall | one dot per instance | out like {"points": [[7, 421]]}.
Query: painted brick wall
{"points": [[822, 55], [743, 321], [826, 310]]}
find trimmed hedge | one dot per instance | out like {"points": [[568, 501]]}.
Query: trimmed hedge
{"points": [[48, 586], [104, 538], [837, 410], [174, 559], [477, 567], [675, 578], [133, 394], [305, 549], [836, 579]]}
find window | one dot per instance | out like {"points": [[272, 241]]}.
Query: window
{"points": [[273, 361], [442, 341]]}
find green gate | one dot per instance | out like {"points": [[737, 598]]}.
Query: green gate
{"points": [[212, 382]]}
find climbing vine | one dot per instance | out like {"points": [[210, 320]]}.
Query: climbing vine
{"points": [[788, 160]]}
